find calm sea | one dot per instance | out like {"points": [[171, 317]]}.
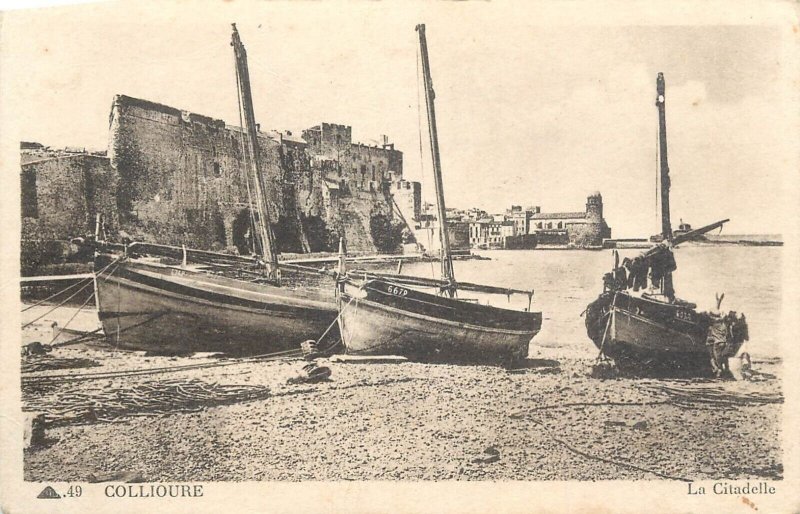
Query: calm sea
{"points": [[566, 281]]}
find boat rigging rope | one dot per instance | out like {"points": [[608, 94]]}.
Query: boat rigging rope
{"points": [[34, 320], [608, 324], [336, 320], [91, 297], [94, 334], [40, 302], [37, 318]]}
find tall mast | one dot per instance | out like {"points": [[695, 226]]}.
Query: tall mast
{"points": [[667, 287], [264, 229], [666, 227], [447, 260]]}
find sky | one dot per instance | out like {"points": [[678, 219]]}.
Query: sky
{"points": [[537, 104]]}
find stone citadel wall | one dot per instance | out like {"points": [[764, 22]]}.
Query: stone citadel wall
{"points": [[61, 193], [181, 182], [175, 177]]}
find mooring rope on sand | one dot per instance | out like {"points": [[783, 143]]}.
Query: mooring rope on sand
{"points": [[154, 397], [70, 377], [53, 363], [619, 463], [521, 413], [712, 397], [696, 398], [86, 336]]}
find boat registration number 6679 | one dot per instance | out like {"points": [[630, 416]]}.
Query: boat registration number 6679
{"points": [[397, 291]]}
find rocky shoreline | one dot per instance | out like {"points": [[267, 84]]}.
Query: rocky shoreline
{"points": [[406, 421]]}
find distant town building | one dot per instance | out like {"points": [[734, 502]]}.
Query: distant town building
{"points": [[408, 197], [521, 218], [584, 229], [427, 235], [490, 232], [528, 227]]}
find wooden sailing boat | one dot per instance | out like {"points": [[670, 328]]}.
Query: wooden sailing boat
{"points": [[647, 328], [146, 304], [423, 319]]}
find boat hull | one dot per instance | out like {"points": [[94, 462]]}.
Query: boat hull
{"points": [[371, 325], [168, 310], [646, 335]]}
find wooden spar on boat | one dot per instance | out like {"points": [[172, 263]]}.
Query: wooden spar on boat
{"points": [[222, 259], [432, 282], [264, 231], [650, 255], [176, 252], [667, 287], [682, 238], [447, 259], [697, 232]]}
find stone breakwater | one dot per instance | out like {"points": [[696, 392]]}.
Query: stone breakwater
{"points": [[547, 421]]}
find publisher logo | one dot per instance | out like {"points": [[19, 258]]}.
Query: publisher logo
{"points": [[48, 493]]}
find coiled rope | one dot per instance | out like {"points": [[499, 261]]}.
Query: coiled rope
{"points": [[152, 397]]}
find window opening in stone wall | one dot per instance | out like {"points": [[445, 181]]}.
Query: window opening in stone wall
{"points": [[30, 201]]}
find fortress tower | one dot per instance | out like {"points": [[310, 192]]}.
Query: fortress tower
{"points": [[594, 207]]}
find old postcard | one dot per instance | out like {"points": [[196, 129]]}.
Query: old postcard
{"points": [[400, 257]]}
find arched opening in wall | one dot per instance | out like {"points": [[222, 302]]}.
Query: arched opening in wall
{"points": [[242, 235], [287, 235], [204, 228], [560, 225], [217, 170], [320, 237], [386, 235], [217, 231]]}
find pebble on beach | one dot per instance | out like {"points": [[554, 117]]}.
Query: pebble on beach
{"points": [[410, 421]]}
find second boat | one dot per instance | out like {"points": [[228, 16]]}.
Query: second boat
{"points": [[424, 319]]}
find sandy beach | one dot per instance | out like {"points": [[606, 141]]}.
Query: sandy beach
{"points": [[407, 421]]}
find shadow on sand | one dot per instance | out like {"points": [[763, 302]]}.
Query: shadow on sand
{"points": [[540, 366]]}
